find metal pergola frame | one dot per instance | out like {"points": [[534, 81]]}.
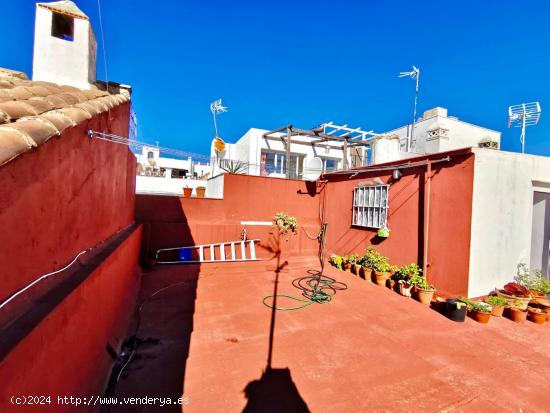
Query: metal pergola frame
{"points": [[321, 136]]}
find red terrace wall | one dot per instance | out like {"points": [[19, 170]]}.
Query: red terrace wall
{"points": [[65, 196], [449, 221], [66, 353], [173, 221]]}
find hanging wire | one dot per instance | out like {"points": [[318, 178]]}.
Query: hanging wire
{"points": [[103, 43]]}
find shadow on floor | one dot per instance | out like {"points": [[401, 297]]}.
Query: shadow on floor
{"points": [[274, 392], [153, 360]]}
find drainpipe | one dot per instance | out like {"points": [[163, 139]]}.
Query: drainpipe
{"points": [[427, 217]]}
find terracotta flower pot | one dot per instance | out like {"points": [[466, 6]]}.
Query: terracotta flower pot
{"points": [[346, 266], [537, 318], [381, 277], [187, 192], [391, 284], [404, 288], [517, 315], [536, 294], [481, 317], [201, 190], [497, 310], [424, 296]]}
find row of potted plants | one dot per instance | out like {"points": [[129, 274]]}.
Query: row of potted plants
{"points": [[496, 306], [406, 279], [520, 300]]}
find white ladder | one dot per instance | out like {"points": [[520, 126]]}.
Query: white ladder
{"points": [[208, 253]]}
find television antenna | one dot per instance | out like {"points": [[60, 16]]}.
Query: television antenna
{"points": [[413, 74], [216, 108], [523, 115]]}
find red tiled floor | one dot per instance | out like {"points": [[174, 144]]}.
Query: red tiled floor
{"points": [[368, 350]]}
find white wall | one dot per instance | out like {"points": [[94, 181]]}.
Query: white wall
{"points": [[459, 134], [214, 187], [168, 186], [502, 206], [61, 61]]}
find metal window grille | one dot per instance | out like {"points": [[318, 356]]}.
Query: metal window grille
{"points": [[370, 206]]}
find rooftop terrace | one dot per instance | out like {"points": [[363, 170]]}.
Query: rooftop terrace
{"points": [[370, 349]]}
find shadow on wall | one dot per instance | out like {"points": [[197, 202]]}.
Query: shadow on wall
{"points": [[274, 392], [159, 345]]}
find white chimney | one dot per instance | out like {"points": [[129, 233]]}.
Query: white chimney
{"points": [[65, 48]]}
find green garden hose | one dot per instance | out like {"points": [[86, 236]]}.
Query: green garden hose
{"points": [[315, 289]]}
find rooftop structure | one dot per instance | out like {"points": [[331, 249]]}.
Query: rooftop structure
{"points": [[65, 47], [435, 132]]}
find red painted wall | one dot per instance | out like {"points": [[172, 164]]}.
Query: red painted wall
{"points": [[66, 353], [178, 221], [63, 197], [449, 221]]}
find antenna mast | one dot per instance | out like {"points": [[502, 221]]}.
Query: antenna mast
{"points": [[523, 115]]}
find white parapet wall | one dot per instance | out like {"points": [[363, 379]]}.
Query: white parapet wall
{"points": [[166, 186], [502, 215]]}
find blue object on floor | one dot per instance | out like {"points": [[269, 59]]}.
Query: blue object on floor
{"points": [[186, 254]]}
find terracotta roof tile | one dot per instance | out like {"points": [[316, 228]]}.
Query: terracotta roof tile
{"points": [[31, 112]]}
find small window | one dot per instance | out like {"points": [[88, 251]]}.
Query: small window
{"points": [[150, 155], [370, 206], [62, 27]]}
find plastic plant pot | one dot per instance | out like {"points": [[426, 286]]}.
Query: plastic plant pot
{"points": [[497, 310], [201, 190], [455, 310], [481, 317], [187, 192]]}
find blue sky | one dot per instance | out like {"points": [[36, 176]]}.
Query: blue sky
{"points": [[302, 63]]}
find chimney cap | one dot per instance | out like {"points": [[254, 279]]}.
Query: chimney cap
{"points": [[65, 7]]}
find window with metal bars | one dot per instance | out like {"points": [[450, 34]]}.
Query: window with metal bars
{"points": [[370, 206]]}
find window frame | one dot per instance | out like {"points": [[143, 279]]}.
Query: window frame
{"points": [[370, 211]]}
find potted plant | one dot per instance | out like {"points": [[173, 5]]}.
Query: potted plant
{"points": [[201, 190], [497, 304], [516, 311], [424, 291], [187, 191], [515, 293], [337, 261], [352, 259], [347, 264], [381, 273], [479, 311], [537, 285], [383, 232], [286, 224], [402, 276], [455, 309], [536, 315]]}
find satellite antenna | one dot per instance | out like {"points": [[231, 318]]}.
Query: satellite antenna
{"points": [[217, 108], [413, 74], [313, 167], [523, 115]]}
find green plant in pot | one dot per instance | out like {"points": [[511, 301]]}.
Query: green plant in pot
{"points": [[382, 272], [286, 224], [497, 304], [480, 311], [337, 261], [352, 260], [403, 276], [372, 257], [516, 311], [424, 291]]}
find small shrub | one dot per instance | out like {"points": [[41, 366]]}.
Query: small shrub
{"points": [[285, 223], [495, 300]]}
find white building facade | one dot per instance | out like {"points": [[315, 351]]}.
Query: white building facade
{"points": [[264, 157], [510, 218], [161, 175], [65, 47], [434, 132]]}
